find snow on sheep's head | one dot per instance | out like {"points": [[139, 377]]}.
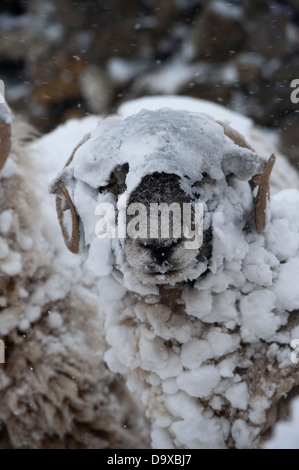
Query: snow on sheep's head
{"points": [[130, 183]]}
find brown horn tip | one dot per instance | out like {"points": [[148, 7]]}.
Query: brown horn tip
{"points": [[260, 201], [235, 136]]}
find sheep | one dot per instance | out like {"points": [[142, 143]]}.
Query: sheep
{"points": [[56, 391], [203, 336]]}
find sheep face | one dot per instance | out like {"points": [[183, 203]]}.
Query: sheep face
{"points": [[162, 253]]}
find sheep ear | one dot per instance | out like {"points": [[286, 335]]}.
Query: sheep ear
{"points": [[68, 217], [241, 161], [5, 131], [259, 178], [263, 194]]}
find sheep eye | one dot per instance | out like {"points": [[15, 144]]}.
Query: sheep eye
{"points": [[117, 180]]}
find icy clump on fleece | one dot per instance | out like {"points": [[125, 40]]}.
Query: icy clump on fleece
{"points": [[209, 361]]}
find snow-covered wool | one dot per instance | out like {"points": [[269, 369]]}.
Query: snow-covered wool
{"points": [[56, 391], [208, 352]]}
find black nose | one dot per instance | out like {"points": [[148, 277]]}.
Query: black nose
{"points": [[160, 252]]}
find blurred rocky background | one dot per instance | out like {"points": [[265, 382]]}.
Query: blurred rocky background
{"points": [[69, 58]]}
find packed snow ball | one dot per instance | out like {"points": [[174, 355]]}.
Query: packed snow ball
{"points": [[202, 335]]}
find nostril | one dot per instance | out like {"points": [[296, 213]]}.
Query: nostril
{"points": [[160, 252]]}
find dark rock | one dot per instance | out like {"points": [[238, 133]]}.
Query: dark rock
{"points": [[267, 34], [218, 32], [288, 70], [56, 80], [249, 67], [166, 13]]}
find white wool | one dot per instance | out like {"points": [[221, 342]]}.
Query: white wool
{"points": [[227, 366], [12, 264], [243, 433], [286, 433], [25, 242], [161, 439], [5, 221], [33, 312], [195, 352], [113, 363], [286, 287], [258, 319], [4, 249], [237, 395], [259, 408], [199, 382], [10, 168], [54, 320], [222, 343]]}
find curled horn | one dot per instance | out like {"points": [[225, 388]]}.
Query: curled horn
{"points": [[260, 180], [5, 133], [263, 193], [64, 203]]}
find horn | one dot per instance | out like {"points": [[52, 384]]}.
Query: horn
{"points": [[260, 180], [71, 241], [260, 200], [5, 132], [64, 203]]}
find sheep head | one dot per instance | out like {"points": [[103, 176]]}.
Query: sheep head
{"points": [[175, 159]]}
